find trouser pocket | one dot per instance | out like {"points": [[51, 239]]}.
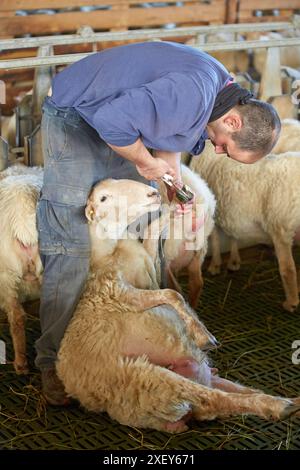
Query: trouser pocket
{"points": [[62, 228]]}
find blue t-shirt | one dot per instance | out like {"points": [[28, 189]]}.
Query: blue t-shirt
{"points": [[160, 92]]}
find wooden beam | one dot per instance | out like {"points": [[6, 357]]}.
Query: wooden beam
{"points": [[268, 4], [12, 5], [106, 19], [248, 17]]}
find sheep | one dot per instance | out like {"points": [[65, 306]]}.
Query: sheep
{"points": [[289, 137], [128, 353], [111, 220], [20, 169], [257, 203], [8, 129], [186, 244], [289, 56], [20, 265], [234, 61], [284, 106]]}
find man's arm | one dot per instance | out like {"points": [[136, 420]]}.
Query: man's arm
{"points": [[173, 159], [151, 168]]}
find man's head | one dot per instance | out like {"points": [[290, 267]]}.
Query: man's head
{"points": [[246, 132]]}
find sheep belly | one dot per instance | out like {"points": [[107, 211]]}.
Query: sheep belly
{"points": [[250, 232], [160, 335]]}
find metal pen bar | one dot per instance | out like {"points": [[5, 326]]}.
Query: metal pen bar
{"points": [[67, 39], [213, 47]]}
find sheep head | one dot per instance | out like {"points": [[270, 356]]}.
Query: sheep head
{"points": [[115, 204]]}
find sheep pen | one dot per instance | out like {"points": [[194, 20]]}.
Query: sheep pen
{"points": [[146, 368]]}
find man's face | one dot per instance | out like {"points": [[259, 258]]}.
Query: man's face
{"points": [[225, 144], [220, 133]]}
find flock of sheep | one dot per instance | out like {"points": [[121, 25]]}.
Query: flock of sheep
{"points": [[132, 349]]}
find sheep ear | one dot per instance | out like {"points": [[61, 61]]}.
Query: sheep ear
{"points": [[92, 215], [89, 211]]}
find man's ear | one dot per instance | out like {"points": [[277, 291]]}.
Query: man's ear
{"points": [[233, 122]]}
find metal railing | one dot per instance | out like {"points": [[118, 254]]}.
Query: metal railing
{"points": [[212, 47], [68, 39]]}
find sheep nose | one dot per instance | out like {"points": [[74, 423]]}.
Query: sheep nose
{"points": [[212, 343]]}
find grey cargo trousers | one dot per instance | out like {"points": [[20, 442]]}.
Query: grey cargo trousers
{"points": [[75, 158]]}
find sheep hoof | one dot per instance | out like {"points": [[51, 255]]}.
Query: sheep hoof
{"points": [[233, 266], [289, 307], [177, 427], [21, 369], [214, 269], [289, 410]]}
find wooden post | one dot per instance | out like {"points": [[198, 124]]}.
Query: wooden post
{"points": [[232, 11], [270, 84], [42, 82]]}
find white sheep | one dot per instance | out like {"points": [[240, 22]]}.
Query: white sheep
{"points": [[289, 139], [110, 213], [20, 169], [234, 61], [257, 203], [186, 243], [143, 364], [20, 265], [289, 56]]}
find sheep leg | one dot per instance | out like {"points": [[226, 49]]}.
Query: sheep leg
{"points": [[217, 403], [146, 299], [16, 318], [288, 273], [216, 260], [165, 403], [234, 262], [159, 405], [228, 386], [171, 279], [152, 234], [195, 280]]}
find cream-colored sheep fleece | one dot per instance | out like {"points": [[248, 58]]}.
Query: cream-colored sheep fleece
{"points": [[289, 139], [94, 360], [254, 201]]}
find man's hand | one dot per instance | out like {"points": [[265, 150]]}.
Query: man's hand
{"points": [[154, 169], [173, 159], [149, 167]]}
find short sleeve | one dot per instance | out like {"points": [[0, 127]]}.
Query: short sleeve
{"points": [[175, 104]]}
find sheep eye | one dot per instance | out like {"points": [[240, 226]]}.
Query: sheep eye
{"points": [[103, 198]]}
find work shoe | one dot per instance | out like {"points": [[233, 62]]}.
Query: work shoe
{"points": [[53, 389]]}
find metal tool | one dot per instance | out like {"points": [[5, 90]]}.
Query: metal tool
{"points": [[182, 192]]}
